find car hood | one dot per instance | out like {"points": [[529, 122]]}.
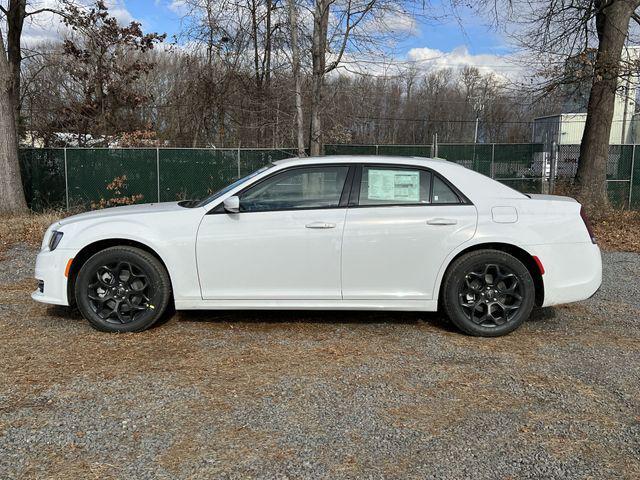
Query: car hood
{"points": [[143, 209]]}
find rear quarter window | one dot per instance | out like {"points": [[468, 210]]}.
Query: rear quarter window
{"points": [[442, 193]]}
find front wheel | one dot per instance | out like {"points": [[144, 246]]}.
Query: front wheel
{"points": [[122, 289], [488, 293]]}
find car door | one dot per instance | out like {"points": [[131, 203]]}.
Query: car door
{"points": [[285, 242], [401, 224]]}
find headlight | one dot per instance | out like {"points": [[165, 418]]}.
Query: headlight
{"points": [[56, 236]]}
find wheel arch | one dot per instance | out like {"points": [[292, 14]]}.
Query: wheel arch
{"points": [[92, 248], [521, 254]]}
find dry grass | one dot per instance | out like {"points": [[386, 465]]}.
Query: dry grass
{"points": [[618, 230], [27, 229]]}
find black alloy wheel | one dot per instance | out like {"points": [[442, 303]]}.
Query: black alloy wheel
{"points": [[122, 289], [120, 292], [488, 293]]}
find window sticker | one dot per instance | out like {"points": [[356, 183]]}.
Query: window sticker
{"points": [[397, 185]]}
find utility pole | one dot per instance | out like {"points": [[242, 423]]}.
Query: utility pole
{"points": [[478, 107]]}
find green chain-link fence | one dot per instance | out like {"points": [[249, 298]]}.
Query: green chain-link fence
{"points": [[83, 178], [43, 176], [621, 179]]}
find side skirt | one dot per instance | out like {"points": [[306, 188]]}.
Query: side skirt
{"points": [[394, 305]]}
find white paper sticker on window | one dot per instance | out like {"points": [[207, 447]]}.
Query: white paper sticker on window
{"points": [[397, 185]]}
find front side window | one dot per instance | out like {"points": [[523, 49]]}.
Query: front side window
{"points": [[299, 188], [229, 187], [394, 186]]}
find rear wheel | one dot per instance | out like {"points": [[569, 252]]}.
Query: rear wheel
{"points": [[488, 293], [122, 289]]}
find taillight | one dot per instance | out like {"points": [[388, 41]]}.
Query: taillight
{"points": [[587, 224]]}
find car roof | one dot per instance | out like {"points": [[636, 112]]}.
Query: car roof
{"points": [[391, 160]]}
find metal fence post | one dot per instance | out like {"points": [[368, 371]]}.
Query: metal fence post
{"points": [[238, 160], [553, 167], [493, 160], [66, 179], [158, 170], [633, 166], [376, 150]]}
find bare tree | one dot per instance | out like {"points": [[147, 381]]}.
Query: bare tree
{"points": [[297, 77], [15, 14], [352, 12], [570, 41], [612, 19], [11, 193]]}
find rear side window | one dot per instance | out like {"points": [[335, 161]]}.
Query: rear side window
{"points": [[394, 186]]}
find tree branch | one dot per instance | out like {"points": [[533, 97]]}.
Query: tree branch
{"points": [[349, 26], [41, 10]]}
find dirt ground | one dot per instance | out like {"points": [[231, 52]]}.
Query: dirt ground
{"points": [[321, 395]]}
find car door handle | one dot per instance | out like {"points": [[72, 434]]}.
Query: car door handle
{"points": [[320, 225], [442, 221]]}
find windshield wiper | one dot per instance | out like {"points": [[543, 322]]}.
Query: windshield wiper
{"points": [[189, 203]]}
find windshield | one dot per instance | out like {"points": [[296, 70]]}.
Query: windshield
{"points": [[228, 188]]}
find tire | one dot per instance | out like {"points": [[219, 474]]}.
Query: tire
{"points": [[122, 289], [488, 293]]}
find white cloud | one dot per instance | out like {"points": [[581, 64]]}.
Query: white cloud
{"points": [[433, 59], [508, 67], [179, 7], [119, 11], [399, 23]]}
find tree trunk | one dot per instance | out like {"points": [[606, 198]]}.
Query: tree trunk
{"points": [[267, 47], [16, 14], [318, 57], [256, 48], [11, 192], [612, 24], [295, 61]]}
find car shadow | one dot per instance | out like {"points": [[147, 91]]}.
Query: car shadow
{"points": [[335, 317], [314, 316], [542, 314], [64, 312]]}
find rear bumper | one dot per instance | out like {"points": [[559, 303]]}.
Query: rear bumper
{"points": [[50, 269], [573, 272]]}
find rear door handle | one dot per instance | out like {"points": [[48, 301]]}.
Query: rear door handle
{"points": [[320, 225], [442, 221]]}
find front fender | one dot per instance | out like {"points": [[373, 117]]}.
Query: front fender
{"points": [[173, 242]]}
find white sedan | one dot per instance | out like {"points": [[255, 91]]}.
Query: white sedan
{"points": [[330, 233]]}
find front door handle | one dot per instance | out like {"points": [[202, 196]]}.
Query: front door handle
{"points": [[442, 221], [320, 225]]}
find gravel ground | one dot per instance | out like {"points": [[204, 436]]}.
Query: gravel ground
{"points": [[321, 395]]}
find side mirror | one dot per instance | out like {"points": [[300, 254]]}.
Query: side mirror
{"points": [[232, 204]]}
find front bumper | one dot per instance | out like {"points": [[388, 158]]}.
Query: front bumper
{"points": [[573, 272], [50, 269]]}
